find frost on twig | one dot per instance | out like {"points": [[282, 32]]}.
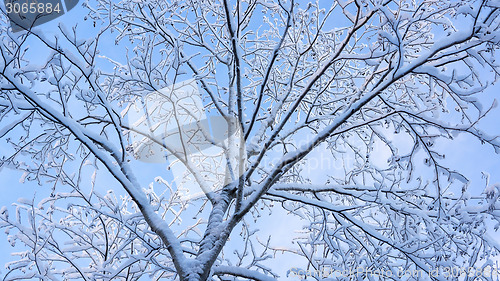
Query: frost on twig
{"points": [[338, 114]]}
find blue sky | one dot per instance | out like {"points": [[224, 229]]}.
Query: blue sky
{"points": [[465, 154]]}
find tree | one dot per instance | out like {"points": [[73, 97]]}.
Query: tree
{"points": [[360, 82]]}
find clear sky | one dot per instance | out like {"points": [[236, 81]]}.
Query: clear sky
{"points": [[464, 154]]}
